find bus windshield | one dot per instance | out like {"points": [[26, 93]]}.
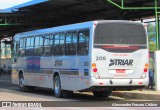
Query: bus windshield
{"points": [[120, 33]]}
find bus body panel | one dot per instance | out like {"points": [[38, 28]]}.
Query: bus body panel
{"points": [[76, 72], [119, 65], [119, 83], [14, 75], [39, 70]]}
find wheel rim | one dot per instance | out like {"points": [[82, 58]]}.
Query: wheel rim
{"points": [[57, 86], [21, 82]]}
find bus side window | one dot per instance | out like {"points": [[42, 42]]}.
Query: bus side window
{"points": [[38, 46], [71, 43], [48, 42], [15, 53], [58, 46], [83, 42], [22, 47], [29, 46]]}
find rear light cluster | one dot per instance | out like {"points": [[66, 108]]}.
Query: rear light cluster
{"points": [[146, 68], [95, 70], [94, 67]]}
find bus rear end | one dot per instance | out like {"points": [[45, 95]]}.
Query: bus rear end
{"points": [[119, 56]]}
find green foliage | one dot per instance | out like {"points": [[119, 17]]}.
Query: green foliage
{"points": [[152, 46], [151, 36]]}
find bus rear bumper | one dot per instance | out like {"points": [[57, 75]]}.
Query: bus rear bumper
{"points": [[120, 82], [117, 84]]}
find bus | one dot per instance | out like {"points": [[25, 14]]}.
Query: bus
{"points": [[96, 56]]}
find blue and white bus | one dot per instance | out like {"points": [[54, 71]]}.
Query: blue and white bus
{"points": [[98, 56]]}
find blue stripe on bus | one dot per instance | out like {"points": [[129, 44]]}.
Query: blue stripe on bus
{"points": [[47, 68], [50, 68], [60, 69]]}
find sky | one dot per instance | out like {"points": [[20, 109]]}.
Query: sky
{"points": [[4, 4]]}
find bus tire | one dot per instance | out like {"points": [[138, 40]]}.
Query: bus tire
{"points": [[57, 87], [102, 93], [22, 87]]}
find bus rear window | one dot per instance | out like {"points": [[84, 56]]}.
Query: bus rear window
{"points": [[120, 33]]}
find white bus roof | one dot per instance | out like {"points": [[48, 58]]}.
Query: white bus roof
{"points": [[67, 27]]}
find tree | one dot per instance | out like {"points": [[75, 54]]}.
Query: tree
{"points": [[151, 36]]}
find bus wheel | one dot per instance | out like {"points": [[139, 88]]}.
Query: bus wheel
{"points": [[102, 93], [57, 87], [21, 83]]}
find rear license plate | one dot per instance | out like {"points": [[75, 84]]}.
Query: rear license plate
{"points": [[120, 71]]}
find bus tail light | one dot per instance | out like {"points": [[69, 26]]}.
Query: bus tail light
{"points": [[145, 70], [146, 65], [93, 65], [95, 70]]}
